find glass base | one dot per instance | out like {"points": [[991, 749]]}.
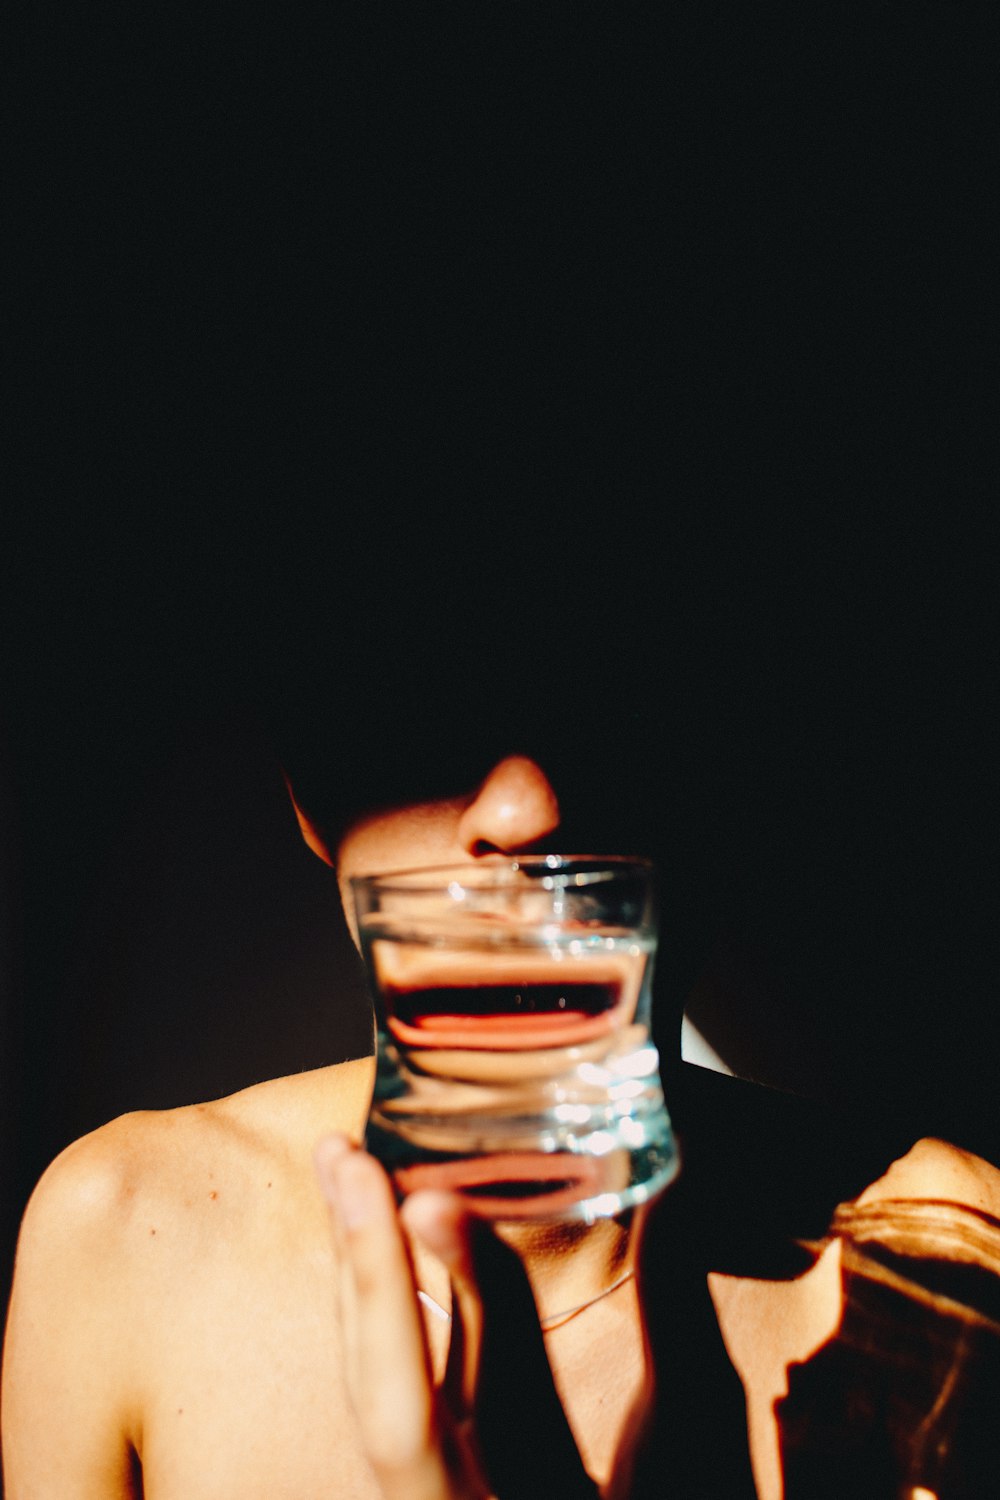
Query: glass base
{"points": [[592, 1162]]}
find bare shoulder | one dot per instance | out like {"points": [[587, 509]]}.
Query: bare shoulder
{"points": [[72, 1362], [769, 1325], [120, 1220], [95, 1189], [935, 1169]]}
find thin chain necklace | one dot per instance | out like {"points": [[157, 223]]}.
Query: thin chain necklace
{"points": [[555, 1321]]}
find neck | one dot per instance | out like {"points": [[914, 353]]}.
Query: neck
{"points": [[571, 1265]]}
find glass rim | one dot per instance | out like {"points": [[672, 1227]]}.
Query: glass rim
{"points": [[427, 878]]}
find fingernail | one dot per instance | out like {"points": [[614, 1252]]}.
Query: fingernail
{"points": [[328, 1151], [353, 1192], [327, 1155], [336, 1143], [438, 1219]]}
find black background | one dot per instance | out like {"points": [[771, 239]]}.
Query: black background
{"points": [[391, 388]]}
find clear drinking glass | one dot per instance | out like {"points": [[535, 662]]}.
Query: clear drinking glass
{"points": [[515, 1063]]}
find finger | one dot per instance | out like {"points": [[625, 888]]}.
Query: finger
{"points": [[388, 1369], [524, 1438]]}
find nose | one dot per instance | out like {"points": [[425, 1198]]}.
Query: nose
{"points": [[514, 808]]}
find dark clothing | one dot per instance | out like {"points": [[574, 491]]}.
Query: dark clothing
{"points": [[762, 1172]]}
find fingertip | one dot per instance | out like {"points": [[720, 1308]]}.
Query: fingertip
{"points": [[440, 1220], [328, 1153]]}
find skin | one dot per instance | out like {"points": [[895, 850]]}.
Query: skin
{"points": [[198, 1303], [768, 1325], [176, 1294]]}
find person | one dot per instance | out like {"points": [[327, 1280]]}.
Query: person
{"points": [[493, 310], [186, 1323]]}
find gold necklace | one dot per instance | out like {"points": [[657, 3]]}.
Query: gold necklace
{"points": [[556, 1320]]}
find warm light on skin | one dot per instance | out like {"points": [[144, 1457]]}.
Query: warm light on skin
{"points": [[314, 839], [767, 1326], [512, 809]]}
